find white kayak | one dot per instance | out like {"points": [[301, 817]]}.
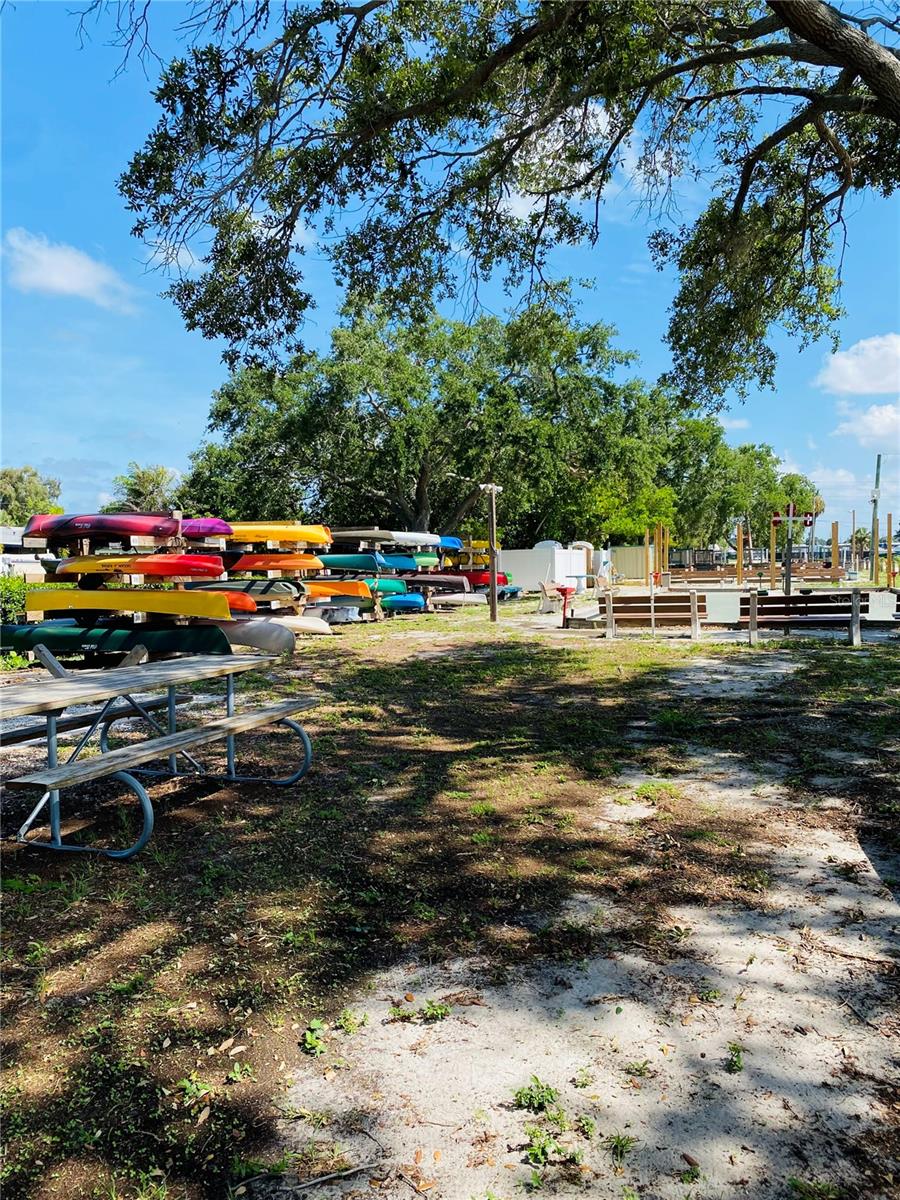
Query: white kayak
{"points": [[263, 633], [456, 599], [399, 537], [306, 625]]}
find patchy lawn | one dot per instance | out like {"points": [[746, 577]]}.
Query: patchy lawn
{"points": [[564, 852]]}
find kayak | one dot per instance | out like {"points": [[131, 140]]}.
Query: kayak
{"points": [[423, 561], [63, 526], [445, 582], [259, 589], [403, 537], [458, 599], [401, 562], [305, 625], [263, 633], [479, 578], [205, 527], [334, 587], [344, 600], [273, 562], [68, 637], [451, 543], [411, 602], [172, 603], [157, 565], [354, 562], [385, 586], [279, 531]]}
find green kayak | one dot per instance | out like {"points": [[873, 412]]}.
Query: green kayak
{"points": [[426, 560], [63, 637], [386, 586]]}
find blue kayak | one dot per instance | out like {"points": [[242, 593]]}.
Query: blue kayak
{"points": [[451, 543], [411, 602], [353, 562], [399, 562]]}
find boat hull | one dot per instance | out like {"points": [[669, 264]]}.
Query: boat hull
{"points": [[337, 587], [459, 599], [262, 633], [279, 531], [354, 562], [205, 527], [412, 602], [235, 561], [69, 637], [160, 566], [72, 526], [212, 604], [401, 562]]}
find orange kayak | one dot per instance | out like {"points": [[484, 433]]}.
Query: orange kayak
{"points": [[339, 587], [237, 601], [276, 562]]}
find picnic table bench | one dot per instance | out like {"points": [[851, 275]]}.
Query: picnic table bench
{"points": [[817, 610], [51, 697], [645, 610]]}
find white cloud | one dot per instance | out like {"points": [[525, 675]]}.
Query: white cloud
{"points": [[35, 264], [836, 483], [734, 422], [871, 367], [877, 427]]}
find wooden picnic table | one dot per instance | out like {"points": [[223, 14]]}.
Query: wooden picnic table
{"points": [[52, 696]]}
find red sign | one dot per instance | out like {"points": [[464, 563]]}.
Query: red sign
{"points": [[807, 520], [777, 518]]}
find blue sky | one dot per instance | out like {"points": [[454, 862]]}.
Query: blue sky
{"points": [[97, 369]]}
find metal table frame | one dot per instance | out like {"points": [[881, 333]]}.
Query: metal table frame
{"points": [[102, 723]]}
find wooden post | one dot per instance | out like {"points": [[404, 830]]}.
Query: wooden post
{"points": [[855, 630], [740, 555], [835, 551], [890, 550], [646, 558], [610, 618], [773, 573], [695, 617], [754, 619], [853, 540]]}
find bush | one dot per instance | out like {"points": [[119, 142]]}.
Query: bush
{"points": [[12, 597]]}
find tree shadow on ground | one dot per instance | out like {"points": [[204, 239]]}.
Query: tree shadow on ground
{"points": [[459, 802]]}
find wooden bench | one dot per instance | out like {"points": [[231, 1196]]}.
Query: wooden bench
{"points": [[816, 610], [661, 609], [29, 733]]}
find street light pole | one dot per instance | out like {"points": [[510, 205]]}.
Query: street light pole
{"points": [[873, 561], [492, 489]]}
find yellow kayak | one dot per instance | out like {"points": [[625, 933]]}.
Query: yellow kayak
{"points": [[279, 531], [213, 605], [340, 587]]}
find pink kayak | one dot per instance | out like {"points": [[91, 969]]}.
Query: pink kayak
{"points": [[62, 526], [204, 527]]}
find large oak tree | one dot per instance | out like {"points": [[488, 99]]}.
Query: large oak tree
{"points": [[431, 144]]}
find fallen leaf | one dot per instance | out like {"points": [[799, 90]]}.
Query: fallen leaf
{"points": [[409, 998], [236, 1050], [204, 1115], [167, 1042], [418, 1156], [437, 1156], [227, 1044]]}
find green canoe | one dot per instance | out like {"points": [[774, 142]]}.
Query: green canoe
{"points": [[61, 637], [385, 586]]}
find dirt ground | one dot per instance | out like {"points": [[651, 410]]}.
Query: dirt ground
{"points": [[548, 915]]}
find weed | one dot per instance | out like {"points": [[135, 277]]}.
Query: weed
{"points": [[433, 1010], [689, 1175], [396, 1013], [239, 1072], [708, 994], [806, 1189], [629, 1193], [619, 1146], [638, 1070], [586, 1126], [535, 1096], [734, 1063], [483, 838], [656, 791], [423, 912], [557, 1118], [351, 1022], [583, 1078], [313, 1042], [482, 808], [192, 1089], [541, 1147]]}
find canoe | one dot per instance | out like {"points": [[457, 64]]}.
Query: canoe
{"points": [[205, 527], [170, 566], [343, 600], [263, 633], [424, 561], [68, 637], [411, 602], [306, 625], [238, 599], [458, 599], [172, 603], [439, 582], [235, 561], [333, 587], [400, 537], [451, 543], [401, 562], [480, 578], [69, 526], [384, 585], [259, 589], [279, 531], [354, 562]]}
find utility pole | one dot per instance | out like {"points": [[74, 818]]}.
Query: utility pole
{"points": [[789, 553], [873, 563], [853, 540], [492, 489]]}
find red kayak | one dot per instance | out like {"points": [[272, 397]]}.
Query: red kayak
{"points": [[62, 526], [237, 601], [483, 578]]}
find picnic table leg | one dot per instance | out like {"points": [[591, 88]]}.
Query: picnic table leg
{"points": [[229, 710], [53, 798], [173, 728]]}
